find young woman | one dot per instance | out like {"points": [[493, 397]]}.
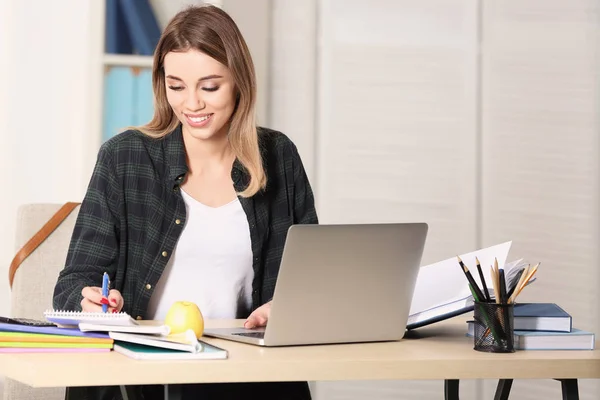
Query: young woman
{"points": [[196, 204]]}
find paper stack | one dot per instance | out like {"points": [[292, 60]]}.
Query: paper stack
{"points": [[19, 338]]}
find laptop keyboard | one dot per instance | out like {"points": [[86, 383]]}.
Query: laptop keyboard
{"points": [[258, 335]]}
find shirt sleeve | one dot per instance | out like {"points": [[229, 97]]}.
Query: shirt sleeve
{"points": [[94, 246], [304, 202]]}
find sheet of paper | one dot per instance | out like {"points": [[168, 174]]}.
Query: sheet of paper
{"points": [[444, 281]]}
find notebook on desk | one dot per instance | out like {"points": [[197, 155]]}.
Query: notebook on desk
{"points": [[104, 322], [140, 352], [51, 330], [74, 318]]}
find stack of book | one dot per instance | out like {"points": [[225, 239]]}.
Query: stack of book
{"points": [[40, 338], [141, 340], [546, 326], [152, 340], [85, 332]]}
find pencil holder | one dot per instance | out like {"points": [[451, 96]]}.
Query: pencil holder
{"points": [[494, 327]]}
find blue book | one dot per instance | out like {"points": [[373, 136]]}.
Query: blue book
{"points": [[142, 25], [143, 97], [118, 112], [574, 340], [542, 317], [50, 330], [539, 340], [116, 34]]}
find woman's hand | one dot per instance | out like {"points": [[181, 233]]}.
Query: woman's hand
{"points": [[259, 317], [92, 300]]}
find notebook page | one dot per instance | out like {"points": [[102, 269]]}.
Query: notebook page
{"points": [[444, 282]]}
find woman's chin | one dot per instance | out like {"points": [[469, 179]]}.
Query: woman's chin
{"points": [[204, 133]]}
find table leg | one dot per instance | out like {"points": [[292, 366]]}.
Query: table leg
{"points": [[172, 392], [503, 389], [128, 393], [570, 390], [451, 389]]}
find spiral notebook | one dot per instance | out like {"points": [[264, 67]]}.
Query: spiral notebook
{"points": [[105, 322], [74, 318]]}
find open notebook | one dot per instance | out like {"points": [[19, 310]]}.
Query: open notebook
{"points": [[442, 291]]}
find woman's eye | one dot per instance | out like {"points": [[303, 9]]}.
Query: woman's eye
{"points": [[211, 89], [176, 88]]}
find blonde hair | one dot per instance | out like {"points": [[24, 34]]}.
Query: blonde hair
{"points": [[211, 31]]}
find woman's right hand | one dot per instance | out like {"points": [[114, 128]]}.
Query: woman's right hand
{"points": [[92, 300]]}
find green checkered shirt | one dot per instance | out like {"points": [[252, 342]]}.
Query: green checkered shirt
{"points": [[133, 214]]}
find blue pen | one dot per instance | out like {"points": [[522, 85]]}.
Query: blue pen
{"points": [[105, 284]]}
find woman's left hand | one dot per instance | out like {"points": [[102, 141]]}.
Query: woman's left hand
{"points": [[259, 317]]}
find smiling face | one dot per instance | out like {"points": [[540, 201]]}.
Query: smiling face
{"points": [[201, 92]]}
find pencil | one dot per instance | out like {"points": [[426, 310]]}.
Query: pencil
{"points": [[524, 283], [483, 283], [470, 279], [497, 279], [521, 283], [473, 293], [502, 313], [494, 287], [502, 282]]}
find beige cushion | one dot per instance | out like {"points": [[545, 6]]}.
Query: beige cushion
{"points": [[34, 281]]}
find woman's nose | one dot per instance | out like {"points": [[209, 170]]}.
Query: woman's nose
{"points": [[194, 101]]}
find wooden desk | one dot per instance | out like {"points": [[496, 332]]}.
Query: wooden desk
{"points": [[441, 351]]}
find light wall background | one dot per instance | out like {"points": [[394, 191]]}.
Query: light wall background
{"points": [[479, 117]]}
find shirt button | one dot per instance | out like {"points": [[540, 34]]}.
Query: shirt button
{"points": [[177, 221], [139, 317], [148, 286], [164, 254]]}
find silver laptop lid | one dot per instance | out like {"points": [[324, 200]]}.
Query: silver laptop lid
{"points": [[345, 283]]}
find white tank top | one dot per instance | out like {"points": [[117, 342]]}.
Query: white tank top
{"points": [[211, 264]]}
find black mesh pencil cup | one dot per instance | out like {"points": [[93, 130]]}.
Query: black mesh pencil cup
{"points": [[494, 327]]}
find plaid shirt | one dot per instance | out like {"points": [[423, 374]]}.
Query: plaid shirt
{"points": [[133, 214]]}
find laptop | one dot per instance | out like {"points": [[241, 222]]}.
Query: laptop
{"points": [[341, 284]]}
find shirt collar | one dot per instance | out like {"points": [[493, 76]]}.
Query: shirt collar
{"points": [[175, 155], [177, 162]]}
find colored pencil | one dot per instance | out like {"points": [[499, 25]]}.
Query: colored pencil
{"points": [[483, 283], [470, 279]]}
